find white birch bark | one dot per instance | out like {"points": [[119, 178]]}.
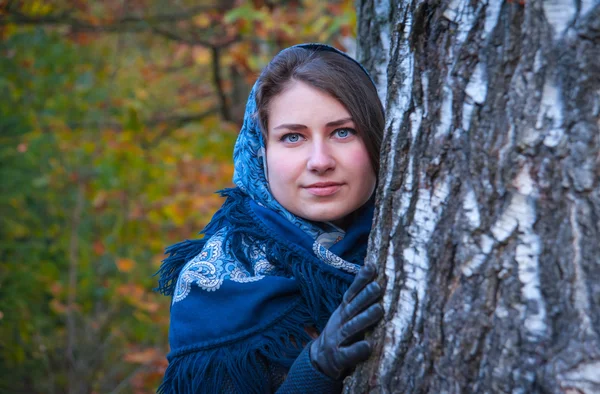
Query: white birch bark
{"points": [[487, 227]]}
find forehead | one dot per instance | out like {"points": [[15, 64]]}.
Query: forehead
{"points": [[305, 104]]}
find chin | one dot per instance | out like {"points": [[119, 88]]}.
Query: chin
{"points": [[325, 216]]}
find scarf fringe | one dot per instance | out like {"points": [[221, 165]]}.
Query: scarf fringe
{"points": [[327, 284], [182, 252], [240, 366], [322, 286]]}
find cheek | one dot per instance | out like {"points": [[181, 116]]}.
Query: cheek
{"points": [[361, 163], [280, 168]]}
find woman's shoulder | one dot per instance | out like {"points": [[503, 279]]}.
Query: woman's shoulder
{"points": [[211, 267]]}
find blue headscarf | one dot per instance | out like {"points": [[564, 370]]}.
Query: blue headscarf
{"points": [[244, 294]]}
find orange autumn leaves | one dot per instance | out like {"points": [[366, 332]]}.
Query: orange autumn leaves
{"points": [[125, 265], [102, 168]]}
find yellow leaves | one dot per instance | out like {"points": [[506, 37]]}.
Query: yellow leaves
{"points": [[246, 12], [169, 160], [8, 30], [15, 203], [144, 356], [141, 93], [58, 307], [202, 56], [125, 265], [206, 204], [202, 20], [18, 229], [137, 296], [175, 213], [100, 200], [89, 147], [157, 260], [154, 217], [154, 245], [57, 304], [37, 8]]}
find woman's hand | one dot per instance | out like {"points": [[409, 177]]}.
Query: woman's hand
{"points": [[340, 346]]}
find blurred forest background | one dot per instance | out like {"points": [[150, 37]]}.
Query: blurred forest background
{"points": [[117, 123]]}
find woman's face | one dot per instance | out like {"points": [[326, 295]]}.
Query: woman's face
{"points": [[318, 167]]}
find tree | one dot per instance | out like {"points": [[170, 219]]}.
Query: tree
{"points": [[488, 213]]}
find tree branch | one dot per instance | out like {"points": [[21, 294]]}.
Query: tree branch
{"points": [[123, 24], [216, 68], [177, 122], [173, 121], [125, 382], [178, 38], [72, 289], [129, 23], [215, 43]]}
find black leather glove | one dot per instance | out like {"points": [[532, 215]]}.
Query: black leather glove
{"points": [[341, 346]]}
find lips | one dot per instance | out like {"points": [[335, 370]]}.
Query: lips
{"points": [[323, 189]]}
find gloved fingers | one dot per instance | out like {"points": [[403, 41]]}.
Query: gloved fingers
{"points": [[365, 298], [356, 327], [366, 274], [326, 357], [355, 353]]}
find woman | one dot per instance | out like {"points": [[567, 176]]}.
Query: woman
{"points": [[273, 298]]}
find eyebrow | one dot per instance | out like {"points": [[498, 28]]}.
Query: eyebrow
{"points": [[294, 126]]}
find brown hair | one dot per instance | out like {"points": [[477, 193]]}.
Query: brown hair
{"points": [[333, 73]]}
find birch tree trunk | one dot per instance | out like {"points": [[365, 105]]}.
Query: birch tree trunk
{"points": [[488, 216]]}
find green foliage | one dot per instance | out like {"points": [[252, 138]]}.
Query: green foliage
{"points": [[103, 163]]}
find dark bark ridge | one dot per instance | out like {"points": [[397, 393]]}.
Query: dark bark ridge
{"points": [[488, 215]]}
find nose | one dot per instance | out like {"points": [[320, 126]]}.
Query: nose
{"points": [[321, 158]]}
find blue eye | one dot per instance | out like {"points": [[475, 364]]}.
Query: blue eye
{"points": [[344, 133], [292, 137]]}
